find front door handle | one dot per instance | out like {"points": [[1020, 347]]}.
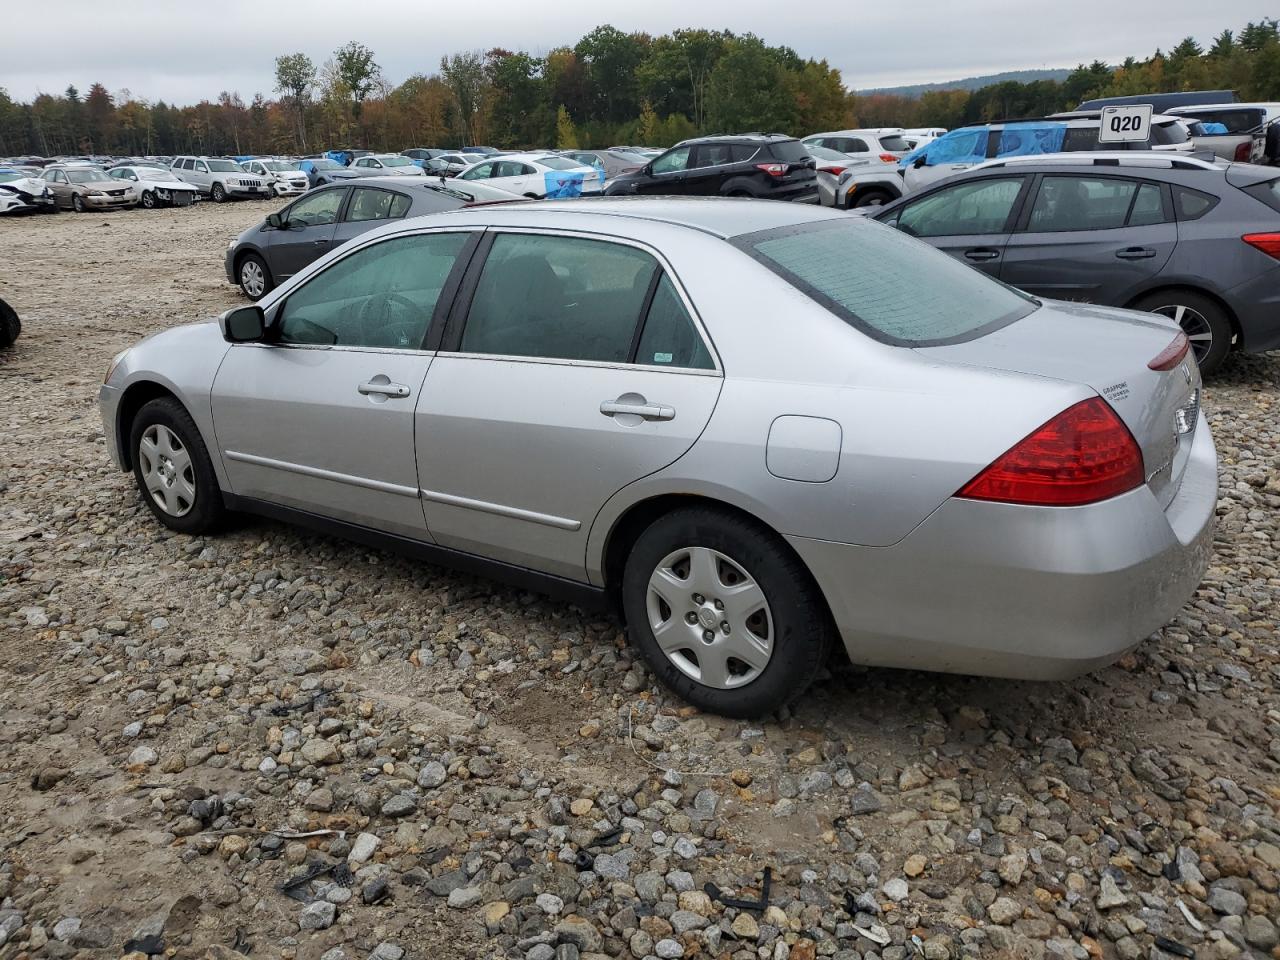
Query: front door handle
{"points": [[384, 388], [624, 406], [1135, 253], [320, 243], [981, 253]]}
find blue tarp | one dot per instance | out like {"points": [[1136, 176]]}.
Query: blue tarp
{"points": [[969, 144], [562, 185], [1214, 129]]}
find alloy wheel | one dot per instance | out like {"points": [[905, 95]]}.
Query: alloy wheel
{"points": [[252, 279], [710, 617], [1193, 324], [167, 470]]}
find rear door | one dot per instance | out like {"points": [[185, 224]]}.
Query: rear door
{"points": [[707, 169], [1091, 237], [971, 221], [369, 207], [307, 234], [572, 366]]}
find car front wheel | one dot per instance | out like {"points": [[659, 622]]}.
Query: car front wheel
{"points": [[77, 203], [725, 614], [148, 199], [218, 193], [172, 468], [254, 277]]}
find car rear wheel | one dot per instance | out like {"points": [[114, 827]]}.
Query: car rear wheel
{"points": [[10, 325], [872, 198], [148, 199], [724, 613], [1203, 321], [254, 277], [172, 468], [77, 203], [218, 193]]}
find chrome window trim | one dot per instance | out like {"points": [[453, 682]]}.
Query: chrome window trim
{"points": [[662, 261]]}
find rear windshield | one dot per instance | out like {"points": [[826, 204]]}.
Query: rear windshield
{"points": [[1268, 192], [893, 288], [789, 151], [895, 142], [559, 163], [1236, 121], [1171, 132]]}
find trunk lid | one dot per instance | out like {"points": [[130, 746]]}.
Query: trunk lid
{"points": [[1108, 350]]}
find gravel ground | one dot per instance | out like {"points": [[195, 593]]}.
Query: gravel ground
{"points": [[488, 773]]}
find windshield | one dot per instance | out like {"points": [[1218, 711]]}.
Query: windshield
{"points": [[152, 173], [86, 176], [279, 166], [895, 142], [559, 163], [224, 166], [8, 177], [396, 161], [891, 287]]}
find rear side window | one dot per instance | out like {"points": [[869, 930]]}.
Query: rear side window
{"points": [[1236, 121], [712, 155], [789, 151], [1166, 133], [1192, 204], [742, 152], [1081, 203], [1268, 193], [891, 287], [1080, 138], [1148, 207], [894, 142], [370, 204], [669, 338]]}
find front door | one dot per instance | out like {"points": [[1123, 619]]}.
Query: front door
{"points": [[321, 417], [307, 234], [575, 369], [668, 173], [970, 220], [1092, 238]]}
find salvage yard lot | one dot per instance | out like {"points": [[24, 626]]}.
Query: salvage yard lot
{"points": [[166, 701]]}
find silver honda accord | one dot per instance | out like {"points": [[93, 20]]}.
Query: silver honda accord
{"points": [[751, 427]]}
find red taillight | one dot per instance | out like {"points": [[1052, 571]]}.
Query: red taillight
{"points": [[888, 158], [773, 169], [1243, 151], [1172, 355], [1268, 243], [1083, 455], [834, 171]]}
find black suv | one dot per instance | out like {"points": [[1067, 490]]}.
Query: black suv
{"points": [[769, 167]]}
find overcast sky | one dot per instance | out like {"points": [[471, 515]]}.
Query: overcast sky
{"points": [[185, 52]]}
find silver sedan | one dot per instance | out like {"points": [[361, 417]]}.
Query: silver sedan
{"points": [[753, 428]]}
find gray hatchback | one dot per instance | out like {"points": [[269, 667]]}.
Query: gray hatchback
{"points": [[322, 220], [1193, 239]]}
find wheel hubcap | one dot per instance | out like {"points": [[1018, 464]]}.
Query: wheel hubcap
{"points": [[1194, 325], [710, 617], [251, 278], [167, 471]]}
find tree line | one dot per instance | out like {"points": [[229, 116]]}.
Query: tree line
{"points": [[610, 87]]}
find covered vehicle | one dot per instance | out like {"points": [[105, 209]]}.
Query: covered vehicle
{"points": [[20, 193], [156, 186], [536, 175], [857, 440], [279, 246], [322, 170]]}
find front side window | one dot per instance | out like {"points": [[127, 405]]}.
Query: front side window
{"points": [[558, 297], [316, 210], [887, 285], [480, 172], [1065, 204], [673, 160], [369, 204], [980, 207], [200, 167], [381, 296]]}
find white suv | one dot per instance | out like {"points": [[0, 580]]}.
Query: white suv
{"points": [[219, 179], [286, 178]]}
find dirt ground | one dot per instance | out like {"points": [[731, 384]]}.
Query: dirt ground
{"points": [[493, 774]]}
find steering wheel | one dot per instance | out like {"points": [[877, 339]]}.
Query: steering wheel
{"points": [[379, 330]]}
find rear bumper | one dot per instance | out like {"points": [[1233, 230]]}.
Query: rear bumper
{"points": [[1256, 304], [1027, 592]]}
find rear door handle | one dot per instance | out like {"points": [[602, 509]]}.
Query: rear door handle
{"points": [[1135, 253], [646, 411], [384, 389], [981, 253]]}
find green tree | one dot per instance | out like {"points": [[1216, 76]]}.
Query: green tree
{"points": [[358, 73], [748, 90], [611, 59], [295, 76], [464, 75]]}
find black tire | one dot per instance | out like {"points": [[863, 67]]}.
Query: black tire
{"points": [[10, 325], [800, 629], [1202, 317], [149, 200], [741, 193], [873, 198], [218, 193], [77, 203], [268, 283], [206, 512]]}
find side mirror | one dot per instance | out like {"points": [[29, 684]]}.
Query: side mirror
{"points": [[919, 162], [243, 325], [276, 220], [647, 169], [133, 177]]}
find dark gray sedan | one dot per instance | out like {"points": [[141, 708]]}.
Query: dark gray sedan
{"points": [[1195, 240], [323, 219]]}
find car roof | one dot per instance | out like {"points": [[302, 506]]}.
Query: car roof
{"points": [[738, 138], [1150, 160], [723, 217]]}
